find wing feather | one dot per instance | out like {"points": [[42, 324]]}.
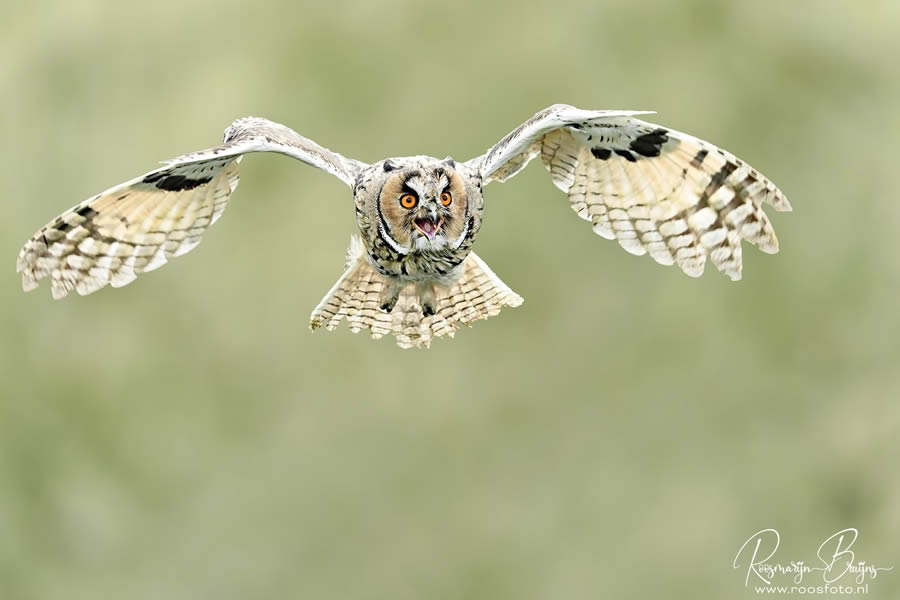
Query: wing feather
{"points": [[655, 190], [139, 225]]}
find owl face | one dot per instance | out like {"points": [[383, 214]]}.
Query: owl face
{"points": [[424, 207]]}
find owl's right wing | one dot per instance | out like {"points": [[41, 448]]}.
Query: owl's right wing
{"points": [[138, 225], [653, 189]]}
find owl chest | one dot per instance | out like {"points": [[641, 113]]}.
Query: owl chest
{"points": [[440, 267]]}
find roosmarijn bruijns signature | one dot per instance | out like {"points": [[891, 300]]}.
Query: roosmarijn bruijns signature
{"points": [[835, 554]]}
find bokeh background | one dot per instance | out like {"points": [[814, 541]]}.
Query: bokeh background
{"points": [[618, 436]]}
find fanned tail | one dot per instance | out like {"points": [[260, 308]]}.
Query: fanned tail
{"points": [[356, 297]]}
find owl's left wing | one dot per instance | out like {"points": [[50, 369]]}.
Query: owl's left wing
{"points": [[138, 225], [652, 188]]}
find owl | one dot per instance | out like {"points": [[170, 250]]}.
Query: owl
{"points": [[411, 271]]}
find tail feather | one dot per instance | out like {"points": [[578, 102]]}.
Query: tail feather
{"points": [[356, 297]]}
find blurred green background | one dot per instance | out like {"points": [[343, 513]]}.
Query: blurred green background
{"points": [[618, 436]]}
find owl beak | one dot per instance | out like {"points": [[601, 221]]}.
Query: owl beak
{"points": [[428, 227]]}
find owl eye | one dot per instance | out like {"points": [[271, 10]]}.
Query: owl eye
{"points": [[446, 198], [408, 200]]}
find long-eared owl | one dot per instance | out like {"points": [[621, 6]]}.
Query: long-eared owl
{"points": [[411, 272]]}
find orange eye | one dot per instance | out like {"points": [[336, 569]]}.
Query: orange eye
{"points": [[408, 200], [446, 198]]}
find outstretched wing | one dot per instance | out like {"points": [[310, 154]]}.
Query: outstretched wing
{"points": [[653, 189], [137, 226]]}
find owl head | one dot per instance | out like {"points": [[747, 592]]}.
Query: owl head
{"points": [[422, 204]]}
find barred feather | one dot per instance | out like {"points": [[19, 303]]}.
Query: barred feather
{"points": [[128, 230], [653, 189], [356, 297], [137, 226]]}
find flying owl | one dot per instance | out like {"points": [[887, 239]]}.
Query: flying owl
{"points": [[411, 272]]}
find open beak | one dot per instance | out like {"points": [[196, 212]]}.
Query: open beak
{"points": [[428, 227]]}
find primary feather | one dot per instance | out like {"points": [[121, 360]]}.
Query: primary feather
{"points": [[139, 225], [655, 190]]}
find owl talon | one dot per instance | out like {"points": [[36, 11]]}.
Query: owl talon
{"points": [[390, 296], [426, 298]]}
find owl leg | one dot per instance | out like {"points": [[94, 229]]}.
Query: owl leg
{"points": [[426, 298], [390, 295]]}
